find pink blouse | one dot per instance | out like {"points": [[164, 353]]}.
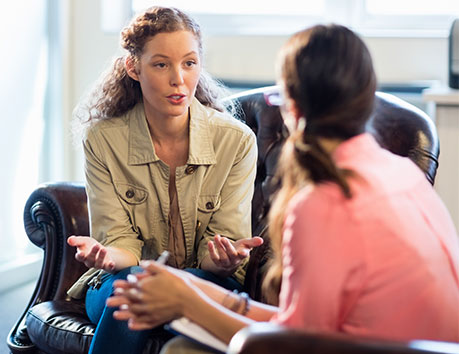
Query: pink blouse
{"points": [[383, 264]]}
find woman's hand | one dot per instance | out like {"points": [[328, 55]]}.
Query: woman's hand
{"points": [[227, 255], [92, 253], [151, 298]]}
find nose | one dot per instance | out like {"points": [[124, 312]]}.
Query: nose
{"points": [[176, 78]]}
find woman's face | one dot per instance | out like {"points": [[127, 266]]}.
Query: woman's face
{"points": [[168, 72]]}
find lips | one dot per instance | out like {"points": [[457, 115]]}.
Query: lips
{"points": [[176, 98]]}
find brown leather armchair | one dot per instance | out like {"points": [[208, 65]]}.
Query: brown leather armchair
{"points": [[54, 323], [269, 338]]}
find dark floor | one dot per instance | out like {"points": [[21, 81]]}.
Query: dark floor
{"points": [[12, 305]]}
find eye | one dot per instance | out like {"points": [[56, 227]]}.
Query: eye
{"points": [[159, 65], [190, 63]]}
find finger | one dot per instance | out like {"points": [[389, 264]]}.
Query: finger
{"points": [[122, 284], [229, 247], [221, 251], [78, 241], [142, 275], [90, 258], [133, 295], [246, 245], [234, 258], [213, 252], [254, 241], [80, 256], [122, 315], [219, 241], [140, 326], [117, 301], [75, 241], [140, 309], [100, 258]]}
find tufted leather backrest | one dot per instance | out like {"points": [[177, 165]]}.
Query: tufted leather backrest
{"points": [[397, 125]]}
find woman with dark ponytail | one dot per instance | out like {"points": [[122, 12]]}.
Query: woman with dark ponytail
{"points": [[364, 245]]}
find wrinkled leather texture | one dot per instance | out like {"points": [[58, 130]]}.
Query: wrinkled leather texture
{"points": [[60, 327], [269, 338], [53, 323]]}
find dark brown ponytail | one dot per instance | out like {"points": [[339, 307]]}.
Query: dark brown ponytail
{"points": [[328, 73]]}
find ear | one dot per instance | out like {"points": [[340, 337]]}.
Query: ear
{"points": [[131, 68], [292, 109]]}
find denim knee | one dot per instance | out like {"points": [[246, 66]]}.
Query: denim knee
{"points": [[228, 283], [96, 297]]}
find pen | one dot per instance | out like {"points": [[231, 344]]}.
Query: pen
{"points": [[162, 259]]}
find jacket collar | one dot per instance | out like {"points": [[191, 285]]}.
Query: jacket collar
{"points": [[141, 148]]}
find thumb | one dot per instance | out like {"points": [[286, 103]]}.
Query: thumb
{"points": [[253, 242], [75, 241]]}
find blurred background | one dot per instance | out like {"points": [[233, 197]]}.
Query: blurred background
{"points": [[53, 50]]}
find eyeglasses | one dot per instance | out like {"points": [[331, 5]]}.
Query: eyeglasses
{"points": [[274, 97]]}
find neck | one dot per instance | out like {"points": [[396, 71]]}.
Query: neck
{"points": [[168, 130], [329, 144]]}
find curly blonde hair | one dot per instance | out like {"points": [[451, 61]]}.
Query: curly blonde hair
{"points": [[117, 93]]}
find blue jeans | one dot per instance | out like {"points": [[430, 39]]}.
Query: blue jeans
{"points": [[113, 336]]}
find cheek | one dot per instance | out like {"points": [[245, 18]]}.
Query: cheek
{"points": [[193, 80], [155, 83]]}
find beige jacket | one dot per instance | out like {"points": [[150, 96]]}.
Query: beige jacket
{"points": [[127, 186]]}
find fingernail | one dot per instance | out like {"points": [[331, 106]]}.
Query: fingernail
{"points": [[131, 278], [143, 263]]}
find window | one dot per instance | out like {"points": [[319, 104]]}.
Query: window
{"points": [[411, 17], [245, 17], [412, 7], [370, 17], [22, 102]]}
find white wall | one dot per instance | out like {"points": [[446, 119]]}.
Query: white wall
{"points": [[232, 57]]}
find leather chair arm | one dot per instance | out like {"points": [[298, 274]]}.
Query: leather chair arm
{"points": [[53, 212], [269, 338]]}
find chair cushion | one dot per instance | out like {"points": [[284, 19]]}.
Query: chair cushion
{"points": [[60, 327]]}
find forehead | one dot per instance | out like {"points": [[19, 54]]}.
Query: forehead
{"points": [[172, 44]]}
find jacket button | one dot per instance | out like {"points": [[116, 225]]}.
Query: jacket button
{"points": [[209, 205], [130, 193], [190, 169]]}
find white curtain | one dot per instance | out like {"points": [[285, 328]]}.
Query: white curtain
{"points": [[23, 65]]}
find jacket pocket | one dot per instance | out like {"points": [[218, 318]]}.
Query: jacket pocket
{"points": [[130, 193], [207, 205]]}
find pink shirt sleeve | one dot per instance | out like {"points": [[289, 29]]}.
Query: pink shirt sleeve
{"points": [[323, 260]]}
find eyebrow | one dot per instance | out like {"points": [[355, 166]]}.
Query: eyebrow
{"points": [[166, 57]]}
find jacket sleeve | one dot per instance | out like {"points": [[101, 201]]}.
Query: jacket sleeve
{"points": [[109, 221], [233, 217]]}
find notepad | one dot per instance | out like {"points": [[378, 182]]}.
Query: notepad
{"points": [[195, 332]]}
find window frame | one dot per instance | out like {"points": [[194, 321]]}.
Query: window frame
{"points": [[351, 13]]}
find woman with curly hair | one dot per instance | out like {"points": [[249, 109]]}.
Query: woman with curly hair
{"points": [[364, 245], [167, 169]]}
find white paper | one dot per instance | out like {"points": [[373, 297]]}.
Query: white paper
{"points": [[191, 330]]}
